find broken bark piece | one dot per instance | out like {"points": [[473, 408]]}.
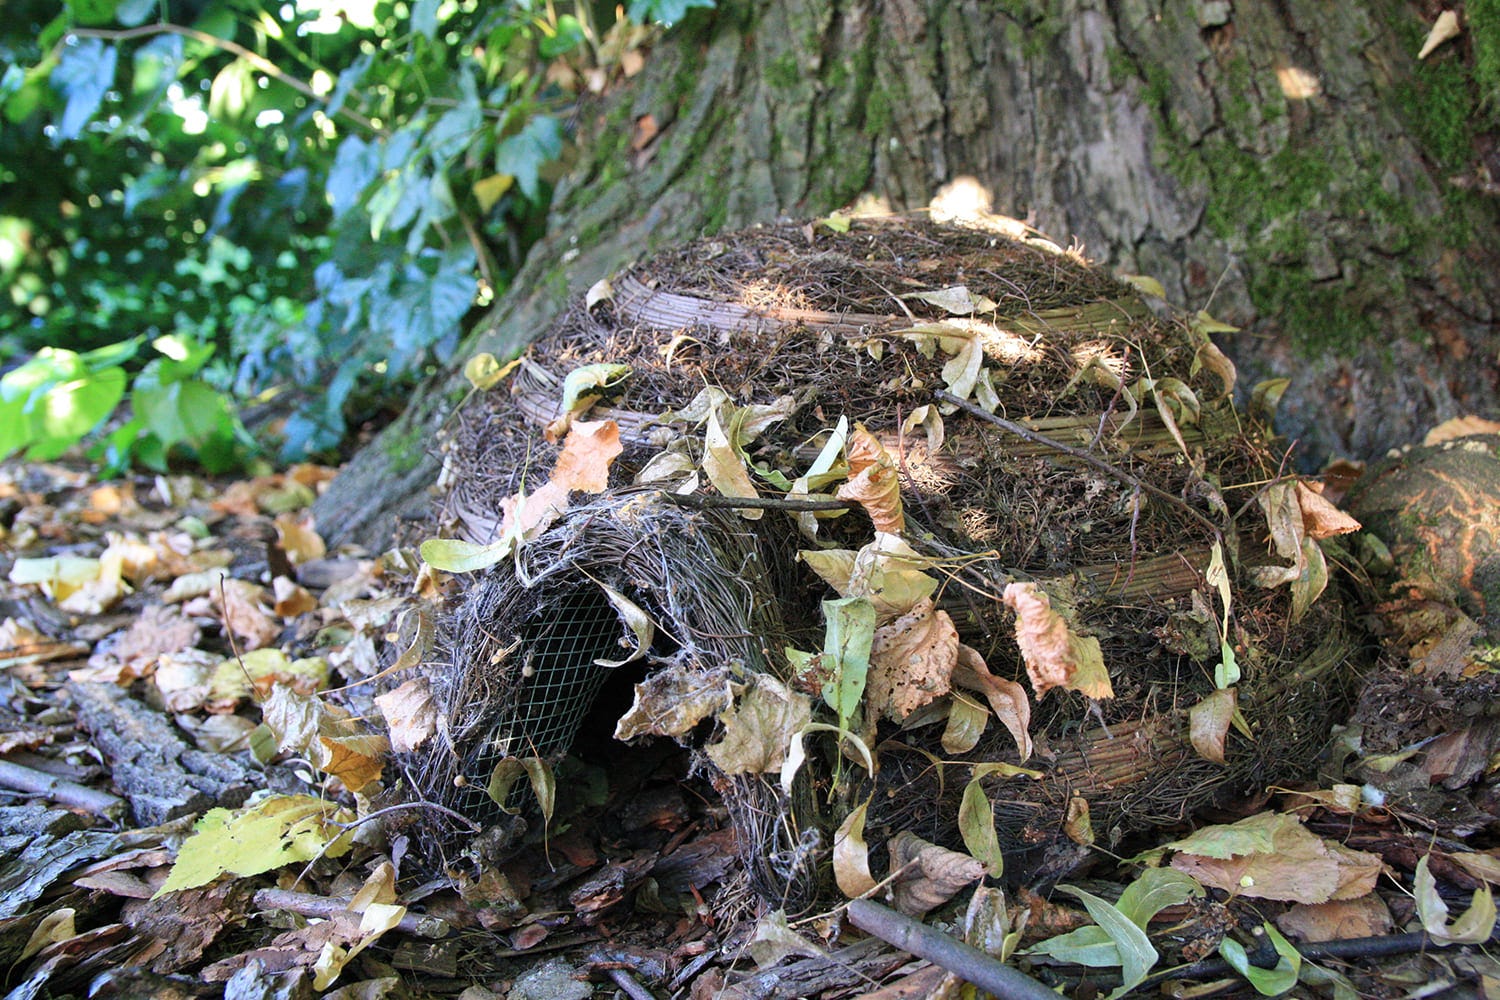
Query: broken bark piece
{"points": [[60, 790], [162, 776]]}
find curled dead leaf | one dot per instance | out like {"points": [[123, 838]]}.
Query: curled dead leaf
{"points": [[1055, 655], [1320, 518], [1007, 698], [930, 875], [1208, 723], [874, 482]]}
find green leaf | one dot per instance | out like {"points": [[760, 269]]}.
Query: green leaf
{"points": [[133, 12], [1155, 890], [83, 76], [543, 784], [453, 555], [569, 36], [453, 132], [66, 412], [355, 166], [92, 12], [1137, 956], [1091, 946], [280, 830], [506, 773], [524, 154], [1267, 982], [846, 648], [976, 823]]}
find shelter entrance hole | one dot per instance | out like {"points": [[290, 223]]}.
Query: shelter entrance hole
{"points": [[555, 683]]}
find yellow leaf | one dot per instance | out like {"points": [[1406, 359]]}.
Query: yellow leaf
{"points": [[851, 856], [1145, 284], [724, 467], [454, 555], [976, 824], [277, 831], [484, 372], [488, 190], [966, 723]]}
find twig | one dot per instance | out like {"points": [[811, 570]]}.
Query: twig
{"points": [[754, 503], [415, 924], [963, 960], [261, 63], [60, 790], [1078, 453], [628, 983]]}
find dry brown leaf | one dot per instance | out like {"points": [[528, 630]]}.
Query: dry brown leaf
{"points": [[911, 662], [1338, 919], [410, 716], [291, 598], [1460, 427], [243, 606], [586, 455], [1208, 723], [356, 759], [161, 629], [1290, 863], [304, 723], [874, 481], [931, 875], [1055, 656], [1320, 518], [298, 537], [758, 728], [582, 465], [1077, 823], [1007, 698], [671, 701]]}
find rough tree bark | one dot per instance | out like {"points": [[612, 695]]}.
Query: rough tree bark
{"points": [[1288, 166]]}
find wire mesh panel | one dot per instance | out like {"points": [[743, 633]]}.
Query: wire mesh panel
{"points": [[555, 680]]}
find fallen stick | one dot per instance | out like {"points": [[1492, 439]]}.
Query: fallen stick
{"points": [[308, 905], [965, 961], [60, 790]]}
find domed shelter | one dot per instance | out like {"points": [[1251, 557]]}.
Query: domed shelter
{"points": [[852, 498]]}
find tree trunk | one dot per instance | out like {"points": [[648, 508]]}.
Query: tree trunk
{"points": [[1285, 166]]}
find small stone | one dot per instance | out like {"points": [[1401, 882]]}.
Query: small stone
{"points": [[551, 981]]}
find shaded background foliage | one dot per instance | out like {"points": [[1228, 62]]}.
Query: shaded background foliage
{"points": [[306, 199]]}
